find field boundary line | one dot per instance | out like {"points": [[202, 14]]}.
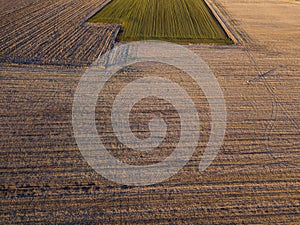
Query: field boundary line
{"points": [[223, 20], [94, 12]]}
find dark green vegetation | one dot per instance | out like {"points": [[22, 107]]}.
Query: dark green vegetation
{"points": [[172, 20]]}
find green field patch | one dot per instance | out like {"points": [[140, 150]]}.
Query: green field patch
{"points": [[170, 20]]}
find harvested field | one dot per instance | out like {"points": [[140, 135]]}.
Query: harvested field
{"points": [[52, 32], [171, 20], [253, 180]]}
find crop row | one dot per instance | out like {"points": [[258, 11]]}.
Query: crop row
{"points": [[179, 20], [53, 32]]}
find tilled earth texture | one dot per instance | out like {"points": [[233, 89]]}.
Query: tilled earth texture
{"points": [[255, 178]]}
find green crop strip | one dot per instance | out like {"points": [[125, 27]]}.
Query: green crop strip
{"points": [[171, 20]]}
